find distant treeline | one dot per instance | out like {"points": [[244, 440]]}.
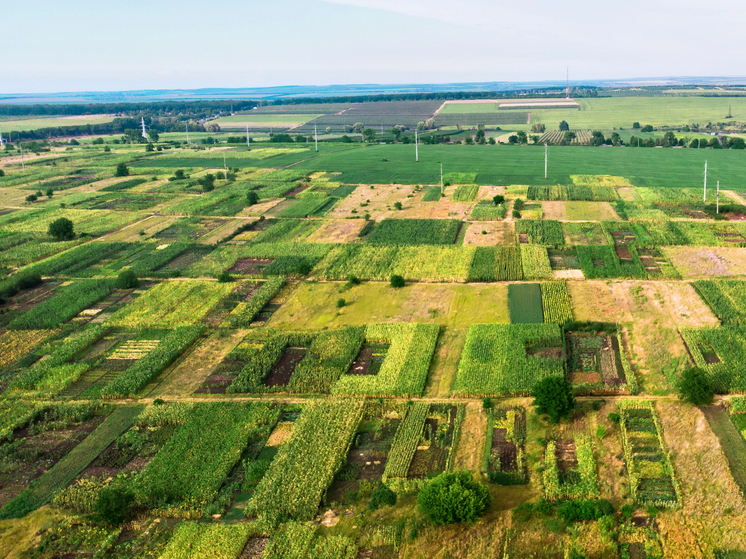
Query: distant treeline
{"points": [[195, 109], [553, 93], [117, 126]]}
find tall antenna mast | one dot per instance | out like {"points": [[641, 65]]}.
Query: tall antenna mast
{"points": [[704, 199], [248, 136], [416, 150], [316, 137], [144, 134]]}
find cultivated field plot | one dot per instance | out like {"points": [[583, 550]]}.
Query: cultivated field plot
{"points": [[508, 359], [651, 474], [313, 305], [490, 233], [263, 121], [699, 262], [505, 449], [337, 231], [172, 304]]}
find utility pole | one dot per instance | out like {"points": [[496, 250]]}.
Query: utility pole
{"points": [[441, 179], [416, 150], [144, 134], [248, 137], [717, 200], [316, 137], [704, 198], [546, 159]]}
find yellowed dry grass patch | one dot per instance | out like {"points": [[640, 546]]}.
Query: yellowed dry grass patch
{"points": [[490, 233], [703, 262], [337, 231]]}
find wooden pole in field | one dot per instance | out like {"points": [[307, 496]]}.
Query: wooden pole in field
{"points": [[316, 137], [416, 149], [546, 158], [704, 197], [441, 179], [717, 200]]}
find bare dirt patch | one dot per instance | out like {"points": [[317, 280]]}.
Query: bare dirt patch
{"points": [[470, 449], [554, 210], [695, 262], [495, 233], [285, 367], [337, 231], [250, 266]]}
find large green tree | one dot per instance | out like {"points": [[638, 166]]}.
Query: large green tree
{"points": [[453, 497], [553, 396]]}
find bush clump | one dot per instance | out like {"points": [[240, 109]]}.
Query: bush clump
{"points": [[453, 497], [695, 387], [554, 397], [127, 279], [113, 505], [381, 496], [584, 509], [62, 229], [397, 281]]}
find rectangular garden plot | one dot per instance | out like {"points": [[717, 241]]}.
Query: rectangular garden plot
{"points": [[504, 461], [508, 358], [366, 460], [720, 352], [594, 358], [569, 464], [524, 303], [423, 444], [48, 433], [652, 478]]}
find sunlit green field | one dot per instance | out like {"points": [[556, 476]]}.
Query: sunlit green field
{"points": [[51, 122], [616, 112]]}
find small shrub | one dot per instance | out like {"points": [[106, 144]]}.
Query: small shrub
{"points": [[341, 303], [614, 418], [600, 431], [225, 277], [584, 509], [252, 198], [487, 404], [353, 280], [62, 229], [627, 510], [122, 170], [498, 199], [695, 387], [381, 496], [113, 505], [127, 279], [398, 205], [453, 497], [32, 198], [516, 214], [397, 281]]}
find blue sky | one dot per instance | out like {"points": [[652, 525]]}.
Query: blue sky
{"points": [[76, 45]]}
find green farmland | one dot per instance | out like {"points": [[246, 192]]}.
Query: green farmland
{"points": [[213, 352]]}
